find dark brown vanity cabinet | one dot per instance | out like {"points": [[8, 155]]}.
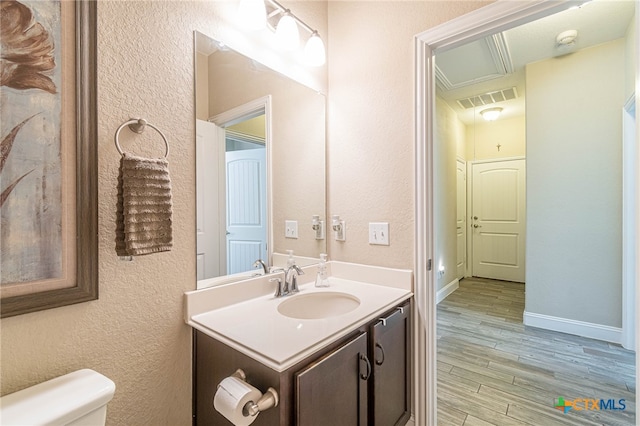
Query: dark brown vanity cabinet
{"points": [[362, 379], [390, 386], [367, 381], [333, 390]]}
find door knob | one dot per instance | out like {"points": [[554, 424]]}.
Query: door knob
{"points": [[475, 218], [477, 226]]}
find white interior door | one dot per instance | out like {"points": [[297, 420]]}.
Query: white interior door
{"points": [[498, 220], [209, 223], [246, 208], [461, 214]]}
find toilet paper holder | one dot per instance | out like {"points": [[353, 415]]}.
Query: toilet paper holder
{"points": [[268, 400]]}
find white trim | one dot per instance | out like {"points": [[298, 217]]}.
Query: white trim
{"points": [[630, 188], [569, 326], [447, 290], [497, 160], [487, 20], [411, 422], [424, 316]]}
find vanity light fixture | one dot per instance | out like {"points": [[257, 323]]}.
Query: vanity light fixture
{"points": [[491, 114], [287, 34], [314, 53], [285, 26], [252, 14]]}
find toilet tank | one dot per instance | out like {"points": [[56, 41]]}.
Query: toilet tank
{"points": [[79, 398]]}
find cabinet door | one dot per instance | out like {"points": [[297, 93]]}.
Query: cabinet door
{"points": [[333, 390], [391, 379]]}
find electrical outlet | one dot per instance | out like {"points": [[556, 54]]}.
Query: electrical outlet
{"points": [[291, 229], [379, 233]]}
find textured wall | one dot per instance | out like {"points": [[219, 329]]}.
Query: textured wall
{"points": [[371, 123], [135, 332]]}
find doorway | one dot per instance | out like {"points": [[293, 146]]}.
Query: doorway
{"points": [[233, 200], [498, 219], [489, 20]]}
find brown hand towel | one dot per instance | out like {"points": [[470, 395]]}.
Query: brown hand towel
{"points": [[144, 219]]}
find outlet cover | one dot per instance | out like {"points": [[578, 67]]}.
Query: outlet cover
{"points": [[379, 233], [291, 229]]}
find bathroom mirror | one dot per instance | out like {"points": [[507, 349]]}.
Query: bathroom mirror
{"points": [[260, 165]]}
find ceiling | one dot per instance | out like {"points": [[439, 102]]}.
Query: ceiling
{"points": [[497, 62]]}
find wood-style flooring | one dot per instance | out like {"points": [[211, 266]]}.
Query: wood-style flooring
{"points": [[492, 370]]}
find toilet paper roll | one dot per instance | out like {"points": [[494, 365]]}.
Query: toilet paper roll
{"points": [[231, 397]]}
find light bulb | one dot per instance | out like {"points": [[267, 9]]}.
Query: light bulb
{"points": [[252, 14], [287, 34], [314, 53]]}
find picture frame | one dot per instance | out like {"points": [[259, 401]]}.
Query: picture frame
{"points": [[82, 277]]}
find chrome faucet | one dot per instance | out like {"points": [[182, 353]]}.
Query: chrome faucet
{"points": [[261, 263], [290, 283], [291, 278], [280, 291]]}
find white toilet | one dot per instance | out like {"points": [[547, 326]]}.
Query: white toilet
{"points": [[79, 399]]}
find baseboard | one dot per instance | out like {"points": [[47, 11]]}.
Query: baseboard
{"points": [[578, 328], [447, 290], [411, 421]]}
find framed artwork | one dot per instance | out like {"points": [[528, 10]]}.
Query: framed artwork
{"points": [[48, 155]]}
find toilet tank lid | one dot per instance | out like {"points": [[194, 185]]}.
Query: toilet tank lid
{"points": [[57, 401]]}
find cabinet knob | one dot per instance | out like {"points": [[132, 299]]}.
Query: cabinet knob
{"points": [[379, 346], [366, 376]]}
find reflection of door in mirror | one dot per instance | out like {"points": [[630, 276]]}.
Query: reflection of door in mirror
{"points": [[231, 88], [232, 208], [246, 191]]}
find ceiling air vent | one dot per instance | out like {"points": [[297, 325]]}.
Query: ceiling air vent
{"points": [[488, 98]]}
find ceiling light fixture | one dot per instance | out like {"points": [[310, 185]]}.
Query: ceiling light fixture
{"points": [[491, 114], [285, 26]]}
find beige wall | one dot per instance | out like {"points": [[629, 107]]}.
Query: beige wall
{"points": [[630, 59], [135, 333], [202, 87], [574, 193], [253, 127], [370, 121], [449, 137], [484, 136]]}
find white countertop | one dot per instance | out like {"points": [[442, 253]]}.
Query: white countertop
{"points": [[256, 328]]}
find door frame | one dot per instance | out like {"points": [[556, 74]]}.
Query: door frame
{"points": [[234, 116], [492, 18], [470, 165], [466, 215], [630, 201]]}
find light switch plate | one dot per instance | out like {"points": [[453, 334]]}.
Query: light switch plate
{"points": [[291, 229], [379, 233]]}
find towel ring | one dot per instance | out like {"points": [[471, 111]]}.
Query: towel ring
{"points": [[137, 125]]}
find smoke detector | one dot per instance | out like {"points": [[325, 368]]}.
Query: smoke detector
{"points": [[566, 39]]}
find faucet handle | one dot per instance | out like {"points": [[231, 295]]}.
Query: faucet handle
{"points": [[279, 291]]}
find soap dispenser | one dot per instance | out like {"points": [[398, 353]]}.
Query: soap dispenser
{"points": [[322, 280], [290, 260]]}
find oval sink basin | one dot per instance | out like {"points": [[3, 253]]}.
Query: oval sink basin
{"points": [[318, 305]]}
